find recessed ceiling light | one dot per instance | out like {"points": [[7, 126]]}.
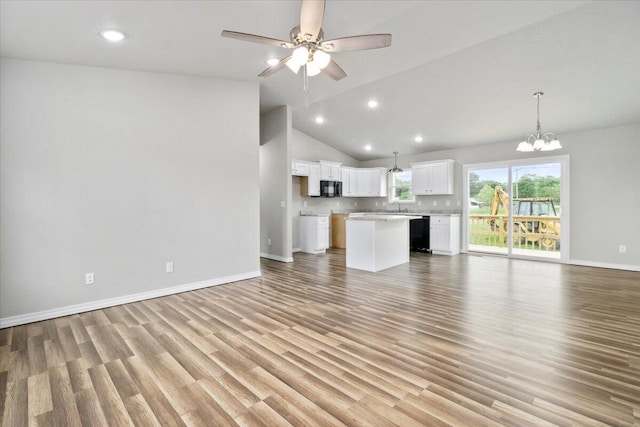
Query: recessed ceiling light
{"points": [[368, 147], [113, 35], [273, 61], [418, 138], [319, 120], [372, 103]]}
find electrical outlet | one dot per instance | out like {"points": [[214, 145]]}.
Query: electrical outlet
{"points": [[458, 202], [169, 267], [337, 203], [269, 242], [355, 203], [384, 203], [88, 279], [376, 203], [304, 204], [447, 203], [419, 202], [282, 204], [435, 203], [622, 249]]}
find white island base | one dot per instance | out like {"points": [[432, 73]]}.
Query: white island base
{"points": [[377, 242]]}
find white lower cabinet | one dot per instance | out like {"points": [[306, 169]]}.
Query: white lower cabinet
{"points": [[444, 234], [314, 234]]}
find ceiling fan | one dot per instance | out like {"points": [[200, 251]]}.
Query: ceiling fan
{"points": [[311, 52]]}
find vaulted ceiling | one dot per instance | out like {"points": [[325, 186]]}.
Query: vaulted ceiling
{"points": [[458, 72]]}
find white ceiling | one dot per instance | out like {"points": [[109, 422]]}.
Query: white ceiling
{"points": [[458, 72]]}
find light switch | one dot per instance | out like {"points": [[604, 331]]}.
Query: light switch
{"points": [[282, 204]]}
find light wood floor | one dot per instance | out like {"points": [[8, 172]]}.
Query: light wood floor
{"points": [[463, 340]]}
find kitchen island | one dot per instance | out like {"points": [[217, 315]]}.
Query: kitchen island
{"points": [[377, 242]]}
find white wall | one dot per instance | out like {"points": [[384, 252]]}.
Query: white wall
{"points": [[605, 194], [275, 184], [117, 172], [305, 147]]}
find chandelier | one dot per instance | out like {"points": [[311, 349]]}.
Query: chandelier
{"points": [[539, 141]]}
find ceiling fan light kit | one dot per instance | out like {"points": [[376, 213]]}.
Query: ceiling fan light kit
{"points": [[539, 141], [310, 48]]}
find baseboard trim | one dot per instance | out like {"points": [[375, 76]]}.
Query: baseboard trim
{"points": [[295, 250], [125, 299], [276, 257], [605, 265]]}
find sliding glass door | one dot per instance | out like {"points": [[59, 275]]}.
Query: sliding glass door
{"points": [[518, 208], [487, 216]]}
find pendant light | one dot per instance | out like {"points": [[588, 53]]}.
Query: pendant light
{"points": [[539, 141], [395, 167]]}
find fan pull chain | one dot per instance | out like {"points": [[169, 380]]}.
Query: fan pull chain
{"points": [[305, 78]]}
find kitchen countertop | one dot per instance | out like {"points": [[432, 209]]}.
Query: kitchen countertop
{"points": [[383, 217], [308, 213], [416, 214]]}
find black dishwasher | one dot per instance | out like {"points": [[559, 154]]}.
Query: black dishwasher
{"points": [[419, 234]]}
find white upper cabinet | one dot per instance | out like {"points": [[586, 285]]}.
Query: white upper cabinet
{"points": [[371, 182], [432, 178], [356, 182], [349, 182], [314, 179], [330, 171], [310, 183], [363, 178], [299, 168], [378, 182]]}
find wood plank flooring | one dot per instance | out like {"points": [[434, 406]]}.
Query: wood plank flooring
{"points": [[464, 340]]}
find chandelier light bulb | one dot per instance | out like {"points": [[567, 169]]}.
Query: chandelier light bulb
{"points": [[539, 144], [555, 144], [525, 147]]}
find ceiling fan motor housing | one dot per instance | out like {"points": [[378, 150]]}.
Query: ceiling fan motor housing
{"points": [[297, 37]]}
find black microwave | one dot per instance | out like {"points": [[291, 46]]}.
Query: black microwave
{"points": [[330, 189]]}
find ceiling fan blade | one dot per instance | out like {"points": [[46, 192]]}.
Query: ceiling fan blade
{"points": [[275, 68], [364, 42], [334, 71], [311, 16], [256, 39]]}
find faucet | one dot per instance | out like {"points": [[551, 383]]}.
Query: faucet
{"points": [[398, 203]]}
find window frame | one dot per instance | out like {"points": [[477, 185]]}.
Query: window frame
{"points": [[391, 188]]}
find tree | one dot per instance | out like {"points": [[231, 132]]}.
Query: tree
{"points": [[485, 195], [474, 184], [531, 185]]}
